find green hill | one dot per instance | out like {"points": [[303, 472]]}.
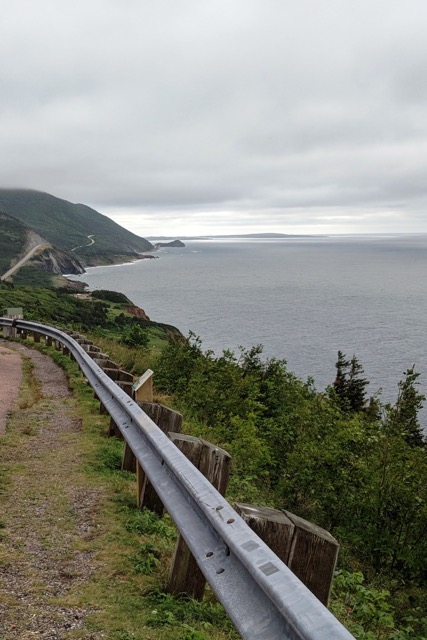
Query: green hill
{"points": [[13, 239], [17, 239], [67, 226]]}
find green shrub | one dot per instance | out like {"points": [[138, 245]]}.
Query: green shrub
{"points": [[111, 296]]}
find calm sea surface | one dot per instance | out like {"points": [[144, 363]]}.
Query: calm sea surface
{"points": [[303, 299]]}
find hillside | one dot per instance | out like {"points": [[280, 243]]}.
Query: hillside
{"points": [[17, 239], [13, 240], [110, 311], [67, 226]]}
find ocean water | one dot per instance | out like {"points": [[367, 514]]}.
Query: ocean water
{"points": [[302, 298]]}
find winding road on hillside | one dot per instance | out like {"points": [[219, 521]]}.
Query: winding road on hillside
{"points": [[89, 244], [22, 261]]}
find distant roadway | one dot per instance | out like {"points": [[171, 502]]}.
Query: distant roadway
{"points": [[92, 241], [23, 260]]}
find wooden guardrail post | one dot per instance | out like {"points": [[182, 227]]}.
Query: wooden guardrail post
{"points": [[313, 557], [309, 551], [113, 429], [123, 378], [185, 576], [271, 525], [102, 410], [129, 463], [100, 359], [167, 420]]}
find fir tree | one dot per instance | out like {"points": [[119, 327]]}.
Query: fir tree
{"points": [[405, 411], [349, 385]]}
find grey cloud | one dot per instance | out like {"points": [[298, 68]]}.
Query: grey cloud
{"points": [[267, 109]]}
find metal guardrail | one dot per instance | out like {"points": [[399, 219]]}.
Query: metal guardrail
{"points": [[263, 598]]}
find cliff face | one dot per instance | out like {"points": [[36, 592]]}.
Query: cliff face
{"points": [[57, 261], [136, 311], [33, 239]]}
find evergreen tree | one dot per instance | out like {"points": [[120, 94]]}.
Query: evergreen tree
{"points": [[404, 414], [349, 385], [356, 386], [340, 384]]}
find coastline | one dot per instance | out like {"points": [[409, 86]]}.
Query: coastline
{"points": [[110, 264]]}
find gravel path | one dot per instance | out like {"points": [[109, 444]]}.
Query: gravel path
{"points": [[47, 514], [10, 382]]}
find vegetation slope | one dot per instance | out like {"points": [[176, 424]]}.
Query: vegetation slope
{"points": [[109, 315], [13, 239], [347, 462]]}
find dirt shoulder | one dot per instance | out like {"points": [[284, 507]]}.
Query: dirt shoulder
{"points": [[10, 381], [47, 510]]}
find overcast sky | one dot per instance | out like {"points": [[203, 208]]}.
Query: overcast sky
{"points": [[181, 117]]}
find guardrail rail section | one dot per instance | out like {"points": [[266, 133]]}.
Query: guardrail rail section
{"points": [[262, 596]]}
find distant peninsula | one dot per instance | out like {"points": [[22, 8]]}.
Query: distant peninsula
{"points": [[173, 243]]}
